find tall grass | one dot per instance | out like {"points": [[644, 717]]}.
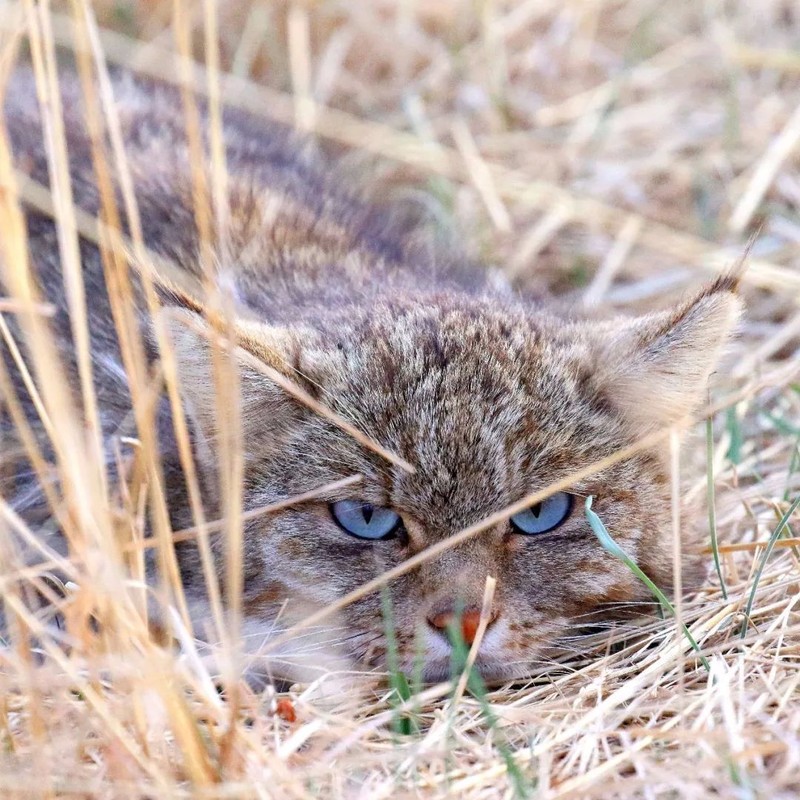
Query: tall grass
{"points": [[563, 133]]}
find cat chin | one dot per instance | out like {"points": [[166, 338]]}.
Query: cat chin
{"points": [[492, 672]]}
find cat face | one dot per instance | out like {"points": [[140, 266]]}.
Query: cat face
{"points": [[489, 402]]}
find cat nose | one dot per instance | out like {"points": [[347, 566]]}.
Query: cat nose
{"points": [[470, 618]]}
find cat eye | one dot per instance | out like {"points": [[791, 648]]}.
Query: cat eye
{"points": [[365, 520], [543, 516]]}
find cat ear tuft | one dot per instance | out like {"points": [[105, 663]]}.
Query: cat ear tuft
{"points": [[658, 365]]}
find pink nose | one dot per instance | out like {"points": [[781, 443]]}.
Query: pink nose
{"points": [[470, 619]]}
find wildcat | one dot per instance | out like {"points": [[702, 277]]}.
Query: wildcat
{"points": [[486, 393]]}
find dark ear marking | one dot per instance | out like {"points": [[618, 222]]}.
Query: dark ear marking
{"points": [[730, 279]]}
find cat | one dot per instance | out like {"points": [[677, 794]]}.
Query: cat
{"points": [[487, 394]]}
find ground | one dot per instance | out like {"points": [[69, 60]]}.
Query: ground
{"points": [[614, 153]]}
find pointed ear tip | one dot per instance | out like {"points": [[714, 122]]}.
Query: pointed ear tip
{"points": [[727, 281], [170, 313], [721, 299], [730, 279], [178, 321]]}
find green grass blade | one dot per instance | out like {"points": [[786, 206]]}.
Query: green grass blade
{"points": [[776, 534], [734, 453], [601, 532], [794, 464], [781, 425], [712, 508], [401, 723], [520, 785]]}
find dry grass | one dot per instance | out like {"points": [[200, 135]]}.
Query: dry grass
{"points": [[615, 153]]}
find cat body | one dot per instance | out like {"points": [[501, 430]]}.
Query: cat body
{"points": [[486, 394]]}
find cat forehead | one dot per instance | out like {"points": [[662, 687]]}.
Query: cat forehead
{"points": [[478, 402], [462, 359], [457, 335]]}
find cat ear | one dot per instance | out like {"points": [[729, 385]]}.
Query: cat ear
{"points": [[657, 366], [266, 412]]}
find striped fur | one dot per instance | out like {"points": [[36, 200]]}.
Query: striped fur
{"points": [[487, 393]]}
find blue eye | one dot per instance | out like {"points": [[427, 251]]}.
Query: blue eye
{"points": [[365, 520], [543, 516]]}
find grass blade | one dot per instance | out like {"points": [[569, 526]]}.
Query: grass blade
{"points": [[711, 499], [401, 691], [784, 521], [520, 785], [601, 532]]}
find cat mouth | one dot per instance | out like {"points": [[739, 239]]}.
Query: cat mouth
{"points": [[491, 671]]}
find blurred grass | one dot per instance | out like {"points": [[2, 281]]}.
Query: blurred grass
{"points": [[615, 154]]}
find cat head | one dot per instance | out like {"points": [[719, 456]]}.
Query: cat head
{"points": [[489, 401]]}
